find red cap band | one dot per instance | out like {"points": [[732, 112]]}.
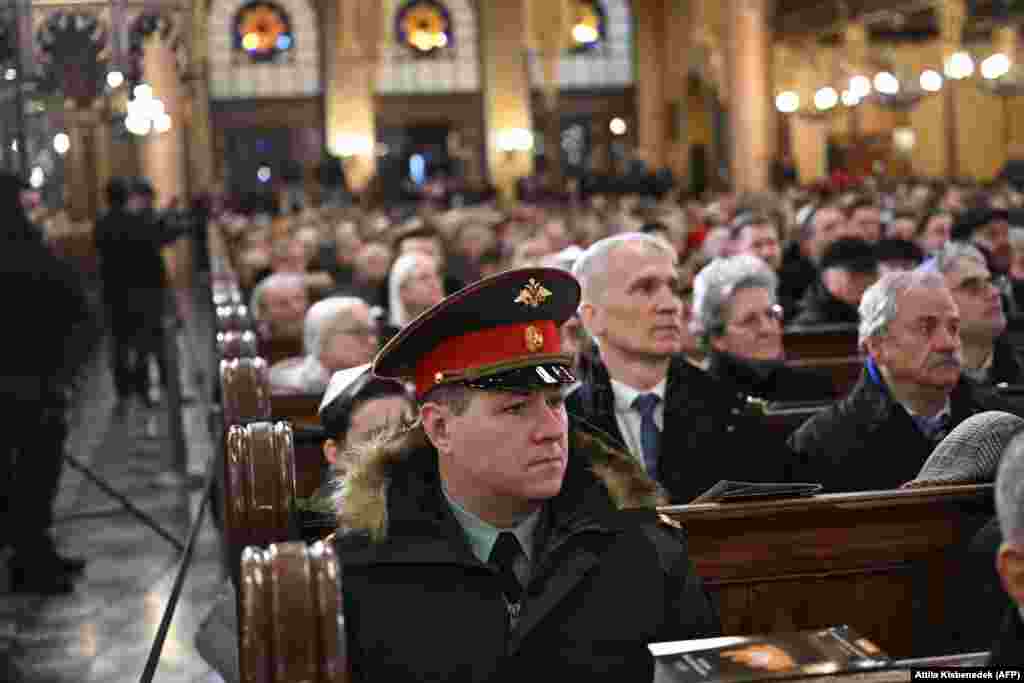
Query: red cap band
{"points": [[501, 344]]}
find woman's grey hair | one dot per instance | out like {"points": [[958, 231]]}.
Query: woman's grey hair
{"points": [[591, 268], [878, 306], [1010, 492], [949, 256], [321, 319], [715, 285], [272, 281]]}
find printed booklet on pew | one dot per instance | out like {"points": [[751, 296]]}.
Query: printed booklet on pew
{"points": [[778, 655], [726, 490]]}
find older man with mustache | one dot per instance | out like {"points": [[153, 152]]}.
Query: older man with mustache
{"points": [[910, 394]]}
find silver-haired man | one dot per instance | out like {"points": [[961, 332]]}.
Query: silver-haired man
{"points": [[641, 391], [988, 357], [910, 394], [1008, 650]]}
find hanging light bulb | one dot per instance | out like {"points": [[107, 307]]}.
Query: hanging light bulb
{"points": [[826, 98], [931, 80], [959, 66], [860, 86], [995, 66], [787, 102], [886, 83]]}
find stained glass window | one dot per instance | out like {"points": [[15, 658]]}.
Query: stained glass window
{"points": [[263, 31], [589, 26], [424, 27]]}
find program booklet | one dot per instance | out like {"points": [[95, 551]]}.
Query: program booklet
{"points": [[778, 655], [726, 490]]}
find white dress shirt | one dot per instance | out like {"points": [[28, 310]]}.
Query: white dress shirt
{"points": [[628, 417]]}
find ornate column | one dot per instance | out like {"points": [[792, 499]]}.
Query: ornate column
{"points": [[200, 141], [162, 155], [507, 116], [751, 115], [351, 72], [549, 24], [953, 16], [651, 105], [79, 190]]}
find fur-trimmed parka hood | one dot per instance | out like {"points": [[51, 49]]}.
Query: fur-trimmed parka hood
{"points": [[362, 500]]}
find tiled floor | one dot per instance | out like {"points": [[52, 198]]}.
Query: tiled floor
{"points": [[104, 630]]}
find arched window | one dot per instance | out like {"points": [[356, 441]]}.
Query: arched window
{"points": [[602, 56], [433, 49], [263, 48]]}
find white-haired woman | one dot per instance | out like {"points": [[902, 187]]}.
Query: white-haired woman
{"points": [[414, 285], [338, 333], [739, 322]]}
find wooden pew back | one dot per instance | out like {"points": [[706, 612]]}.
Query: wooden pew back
{"points": [[235, 344], [878, 561], [245, 390], [820, 341], [289, 630], [233, 317], [259, 485]]}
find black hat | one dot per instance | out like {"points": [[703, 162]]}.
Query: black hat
{"points": [[898, 250], [970, 220], [350, 388], [499, 333], [852, 254]]}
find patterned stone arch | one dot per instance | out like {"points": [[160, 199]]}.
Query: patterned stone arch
{"points": [[455, 70], [234, 76], [607, 66]]}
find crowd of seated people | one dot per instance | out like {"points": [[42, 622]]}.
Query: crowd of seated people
{"points": [[681, 323]]}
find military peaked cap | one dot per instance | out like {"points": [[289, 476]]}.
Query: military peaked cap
{"points": [[499, 333]]}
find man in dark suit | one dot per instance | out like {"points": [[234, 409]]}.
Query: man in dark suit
{"points": [[37, 369], [688, 429], [129, 239], [1008, 650], [910, 394], [989, 357]]}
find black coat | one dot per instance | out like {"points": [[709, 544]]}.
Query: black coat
{"points": [[819, 307], [709, 431], [770, 381], [1008, 650], [868, 441], [795, 276], [609, 577], [132, 265], [1007, 366], [47, 297]]}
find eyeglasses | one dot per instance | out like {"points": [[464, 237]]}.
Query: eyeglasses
{"points": [[754, 319]]}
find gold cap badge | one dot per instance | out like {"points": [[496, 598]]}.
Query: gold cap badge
{"points": [[533, 294], [534, 339]]}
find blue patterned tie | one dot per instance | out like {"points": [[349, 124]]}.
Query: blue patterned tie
{"points": [[650, 437]]}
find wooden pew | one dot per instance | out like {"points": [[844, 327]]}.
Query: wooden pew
{"points": [[843, 370], [288, 627], [820, 341], [879, 561], [235, 344], [276, 349], [245, 390], [233, 317], [300, 410], [259, 485]]}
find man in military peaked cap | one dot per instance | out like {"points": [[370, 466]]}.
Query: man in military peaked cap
{"points": [[535, 545]]}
